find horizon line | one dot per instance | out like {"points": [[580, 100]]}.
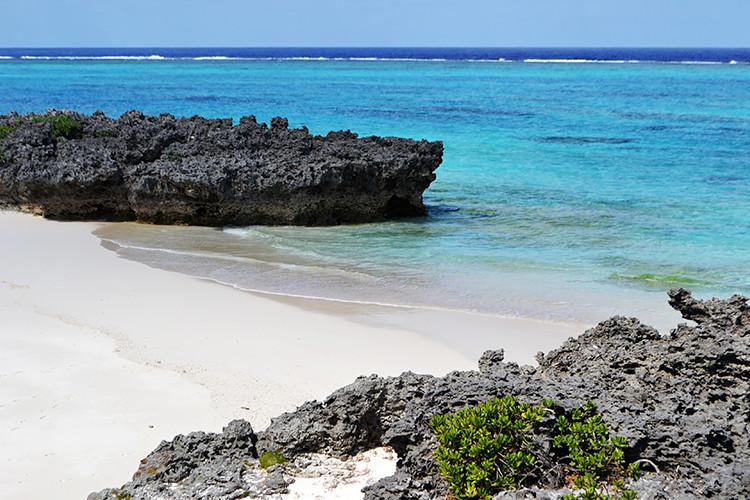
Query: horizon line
{"points": [[671, 47]]}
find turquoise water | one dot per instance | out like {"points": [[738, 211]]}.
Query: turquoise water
{"points": [[629, 177]]}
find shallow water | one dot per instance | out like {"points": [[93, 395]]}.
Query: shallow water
{"points": [[568, 191]]}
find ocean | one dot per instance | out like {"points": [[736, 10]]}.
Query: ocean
{"points": [[576, 183]]}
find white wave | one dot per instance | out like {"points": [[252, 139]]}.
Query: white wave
{"points": [[303, 58], [695, 62], [231, 58], [153, 57], [214, 58], [395, 305], [584, 61], [623, 61], [309, 268], [353, 58], [376, 303], [407, 59], [157, 57], [499, 60]]}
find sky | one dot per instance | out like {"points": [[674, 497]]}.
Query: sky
{"points": [[374, 23]]}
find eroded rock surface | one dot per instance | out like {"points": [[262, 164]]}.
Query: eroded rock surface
{"points": [[199, 171], [682, 400]]}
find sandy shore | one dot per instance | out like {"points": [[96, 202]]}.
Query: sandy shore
{"points": [[101, 358]]}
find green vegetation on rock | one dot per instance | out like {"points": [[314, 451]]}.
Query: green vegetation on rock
{"points": [[486, 448], [61, 125], [151, 470], [121, 495], [5, 131], [500, 445], [596, 460], [269, 458], [104, 133]]}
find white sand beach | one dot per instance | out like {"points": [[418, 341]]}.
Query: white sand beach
{"points": [[101, 358]]}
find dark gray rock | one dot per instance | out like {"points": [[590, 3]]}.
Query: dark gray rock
{"points": [[400, 485], [198, 171], [350, 420], [491, 361], [682, 400], [202, 465]]}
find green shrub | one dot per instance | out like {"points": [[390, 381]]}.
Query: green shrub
{"points": [[61, 125], [104, 133], [65, 126], [495, 446], [5, 131], [269, 458], [595, 458], [487, 448]]}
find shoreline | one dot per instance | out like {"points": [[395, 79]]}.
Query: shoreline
{"points": [[437, 323], [195, 356], [419, 320], [268, 261]]}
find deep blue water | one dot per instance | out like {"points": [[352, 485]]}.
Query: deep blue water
{"points": [[630, 177]]}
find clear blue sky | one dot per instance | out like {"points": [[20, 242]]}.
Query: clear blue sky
{"points": [[98, 23]]}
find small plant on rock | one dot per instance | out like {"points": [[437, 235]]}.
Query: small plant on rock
{"points": [[65, 126], [487, 448], [269, 458], [499, 445], [596, 460], [61, 125], [121, 495], [104, 133], [5, 131]]}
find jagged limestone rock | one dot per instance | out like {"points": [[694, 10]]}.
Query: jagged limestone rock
{"points": [[200, 171], [681, 400]]}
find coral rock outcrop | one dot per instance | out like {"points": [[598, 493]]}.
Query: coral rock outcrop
{"points": [[199, 171], [682, 400]]}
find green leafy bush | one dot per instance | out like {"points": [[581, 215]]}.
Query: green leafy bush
{"points": [[104, 133], [5, 131], [61, 125], [65, 126], [596, 460], [486, 448], [269, 458], [495, 446]]}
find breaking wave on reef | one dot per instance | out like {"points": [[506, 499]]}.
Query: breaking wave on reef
{"points": [[394, 54], [157, 57]]}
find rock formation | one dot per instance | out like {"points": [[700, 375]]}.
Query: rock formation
{"points": [[199, 171], [682, 400]]}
